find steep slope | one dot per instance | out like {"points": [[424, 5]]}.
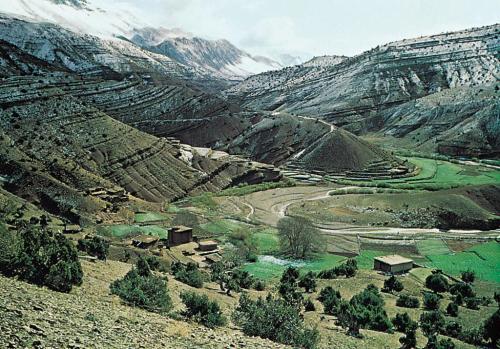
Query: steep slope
{"points": [[309, 144], [352, 92], [55, 149]]}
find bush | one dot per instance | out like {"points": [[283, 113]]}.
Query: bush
{"points": [[202, 310], [409, 340], [309, 305], [392, 284], [437, 282], [431, 301], [452, 329], [347, 269], [446, 344], [465, 290], [491, 326], [40, 257], [468, 276], [308, 282], [432, 322], [260, 285], [330, 299], [95, 246], [274, 319], [472, 336], [406, 301], [368, 307], [472, 303], [189, 274], [452, 309], [402, 322], [288, 288], [145, 291]]}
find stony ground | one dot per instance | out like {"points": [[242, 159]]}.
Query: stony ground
{"points": [[34, 317]]}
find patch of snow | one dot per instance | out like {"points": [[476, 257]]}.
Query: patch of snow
{"points": [[279, 261]]}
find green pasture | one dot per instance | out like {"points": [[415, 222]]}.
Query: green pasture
{"points": [[123, 230], [432, 247], [150, 217], [484, 259]]}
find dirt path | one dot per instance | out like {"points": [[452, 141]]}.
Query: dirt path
{"points": [[270, 206]]}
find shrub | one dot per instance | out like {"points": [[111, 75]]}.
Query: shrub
{"points": [[436, 282], [40, 257], [145, 291], [468, 276], [452, 309], [274, 319], [189, 274], [260, 285], [368, 307], [431, 301], [406, 301], [330, 299], [465, 290], [308, 282], [472, 303], [472, 336], [309, 305], [347, 269], [432, 323], [392, 284], [202, 310], [288, 288], [409, 340], [95, 246], [402, 322], [491, 326], [445, 344], [452, 329]]}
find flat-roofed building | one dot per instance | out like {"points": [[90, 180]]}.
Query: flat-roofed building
{"points": [[180, 235], [394, 264]]}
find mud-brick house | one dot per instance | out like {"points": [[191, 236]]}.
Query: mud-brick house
{"points": [[393, 264], [180, 235], [207, 245]]}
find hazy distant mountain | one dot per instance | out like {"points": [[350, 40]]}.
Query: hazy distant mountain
{"points": [[219, 58]]}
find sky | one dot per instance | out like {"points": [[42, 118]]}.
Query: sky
{"points": [[316, 27]]}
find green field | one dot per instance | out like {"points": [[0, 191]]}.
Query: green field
{"points": [[436, 175], [269, 269], [267, 241], [484, 259], [223, 226], [432, 247], [122, 230], [150, 217], [365, 258]]}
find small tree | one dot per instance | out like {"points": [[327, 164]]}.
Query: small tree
{"points": [[330, 299], [452, 309], [202, 310], [392, 284], [142, 289], [491, 326], [308, 282], [298, 237], [189, 274], [431, 324], [309, 305], [407, 301], [437, 283], [401, 322], [468, 276], [95, 246], [431, 301], [472, 303], [288, 288], [409, 340]]}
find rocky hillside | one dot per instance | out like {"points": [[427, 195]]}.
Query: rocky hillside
{"points": [[219, 57], [358, 93], [55, 148]]}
